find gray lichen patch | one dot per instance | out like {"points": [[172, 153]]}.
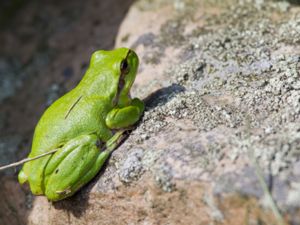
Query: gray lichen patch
{"points": [[238, 85], [132, 167]]}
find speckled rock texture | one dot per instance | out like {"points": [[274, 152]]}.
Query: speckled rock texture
{"points": [[221, 82]]}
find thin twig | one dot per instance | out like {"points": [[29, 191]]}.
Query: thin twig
{"points": [[265, 188], [27, 160], [262, 182], [72, 107], [107, 147]]}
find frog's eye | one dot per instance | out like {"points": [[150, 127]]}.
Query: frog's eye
{"points": [[124, 67]]}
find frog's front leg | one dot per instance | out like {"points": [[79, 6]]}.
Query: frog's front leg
{"points": [[75, 164], [124, 117]]}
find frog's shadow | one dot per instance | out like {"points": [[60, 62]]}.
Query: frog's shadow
{"points": [[78, 203], [162, 96]]}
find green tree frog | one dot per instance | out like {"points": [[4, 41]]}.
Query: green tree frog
{"points": [[81, 124]]}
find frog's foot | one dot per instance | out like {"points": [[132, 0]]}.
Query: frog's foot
{"points": [[115, 141], [122, 118], [64, 192], [129, 128]]}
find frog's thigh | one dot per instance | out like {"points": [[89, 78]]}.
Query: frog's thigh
{"points": [[123, 117], [71, 163]]}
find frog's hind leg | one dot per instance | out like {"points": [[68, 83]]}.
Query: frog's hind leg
{"points": [[76, 164], [68, 165], [111, 144]]}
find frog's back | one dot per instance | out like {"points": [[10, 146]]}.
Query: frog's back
{"points": [[70, 116]]}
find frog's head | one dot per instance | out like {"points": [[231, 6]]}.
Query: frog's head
{"points": [[128, 69], [112, 73]]}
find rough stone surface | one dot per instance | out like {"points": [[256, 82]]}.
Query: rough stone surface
{"points": [[221, 84]]}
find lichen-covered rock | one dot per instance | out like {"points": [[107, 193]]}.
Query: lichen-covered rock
{"points": [[221, 83]]}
